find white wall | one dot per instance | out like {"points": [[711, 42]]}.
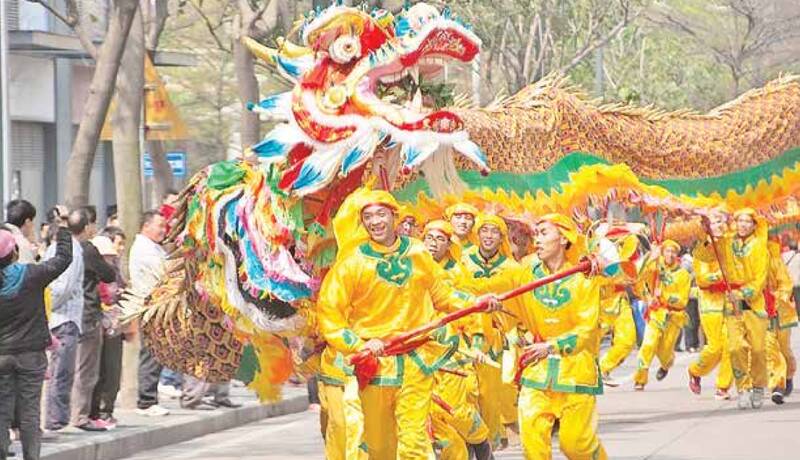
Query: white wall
{"points": [[31, 89], [32, 16]]}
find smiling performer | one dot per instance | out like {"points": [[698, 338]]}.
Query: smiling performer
{"points": [[376, 290], [560, 376], [461, 430], [666, 287], [745, 258], [490, 259], [462, 217]]}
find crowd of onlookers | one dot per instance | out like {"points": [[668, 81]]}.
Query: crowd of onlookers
{"points": [[61, 339]]}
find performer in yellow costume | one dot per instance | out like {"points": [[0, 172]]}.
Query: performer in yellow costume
{"points": [[714, 308], [665, 286], [373, 292], [462, 217], [490, 259], [745, 260], [562, 379], [341, 418], [616, 317], [781, 363], [462, 429]]}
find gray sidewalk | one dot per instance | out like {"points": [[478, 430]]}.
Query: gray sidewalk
{"points": [[136, 433]]}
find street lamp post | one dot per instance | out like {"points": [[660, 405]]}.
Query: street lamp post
{"points": [[5, 142]]}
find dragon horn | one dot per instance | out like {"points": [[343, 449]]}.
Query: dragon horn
{"points": [[260, 51], [289, 49]]}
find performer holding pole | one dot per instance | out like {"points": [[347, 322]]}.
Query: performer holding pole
{"points": [[715, 305], [490, 259], [376, 289], [461, 430], [559, 378], [745, 260], [666, 287]]}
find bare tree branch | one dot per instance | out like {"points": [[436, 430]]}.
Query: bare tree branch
{"points": [[212, 30], [591, 46]]}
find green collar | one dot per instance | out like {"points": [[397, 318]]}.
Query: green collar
{"points": [[487, 269], [394, 266], [375, 251]]}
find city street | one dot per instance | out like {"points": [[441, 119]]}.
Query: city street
{"points": [[665, 422]]}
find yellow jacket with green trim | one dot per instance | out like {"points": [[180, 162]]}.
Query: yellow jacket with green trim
{"points": [[779, 282], [380, 292], [707, 274], [746, 263], [566, 314], [669, 287], [613, 299], [482, 271]]}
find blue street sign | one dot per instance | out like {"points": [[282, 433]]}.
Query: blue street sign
{"points": [[177, 161]]}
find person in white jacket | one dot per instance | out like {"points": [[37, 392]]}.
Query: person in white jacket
{"points": [[145, 266]]}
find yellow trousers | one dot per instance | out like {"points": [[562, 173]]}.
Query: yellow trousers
{"points": [[780, 358], [748, 346], [342, 421], [577, 415], [508, 404], [490, 387], [715, 352], [395, 418], [624, 340], [453, 431], [659, 340]]}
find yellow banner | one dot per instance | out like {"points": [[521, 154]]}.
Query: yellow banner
{"points": [[163, 121]]}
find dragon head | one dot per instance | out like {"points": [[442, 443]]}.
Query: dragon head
{"points": [[357, 87]]}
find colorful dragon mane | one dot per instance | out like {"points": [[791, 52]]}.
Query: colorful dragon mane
{"points": [[253, 237]]}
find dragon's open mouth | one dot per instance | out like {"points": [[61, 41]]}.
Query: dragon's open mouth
{"points": [[398, 83]]}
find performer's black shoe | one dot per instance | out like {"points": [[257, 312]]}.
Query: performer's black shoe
{"points": [[661, 374], [777, 396], [482, 451]]}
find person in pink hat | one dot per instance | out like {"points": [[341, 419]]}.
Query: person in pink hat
{"points": [[24, 336]]}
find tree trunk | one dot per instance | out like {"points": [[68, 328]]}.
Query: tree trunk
{"points": [[79, 165], [162, 171], [126, 124], [247, 86]]}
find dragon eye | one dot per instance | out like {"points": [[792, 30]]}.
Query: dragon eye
{"points": [[344, 49]]}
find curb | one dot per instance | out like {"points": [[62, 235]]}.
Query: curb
{"points": [[123, 443]]}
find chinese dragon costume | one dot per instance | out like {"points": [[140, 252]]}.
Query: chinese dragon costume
{"points": [[254, 235]]}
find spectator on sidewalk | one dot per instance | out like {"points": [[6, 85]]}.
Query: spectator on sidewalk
{"points": [[110, 243], [170, 383], [198, 394], [146, 265], [24, 336], [19, 220], [90, 343], [65, 324]]}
